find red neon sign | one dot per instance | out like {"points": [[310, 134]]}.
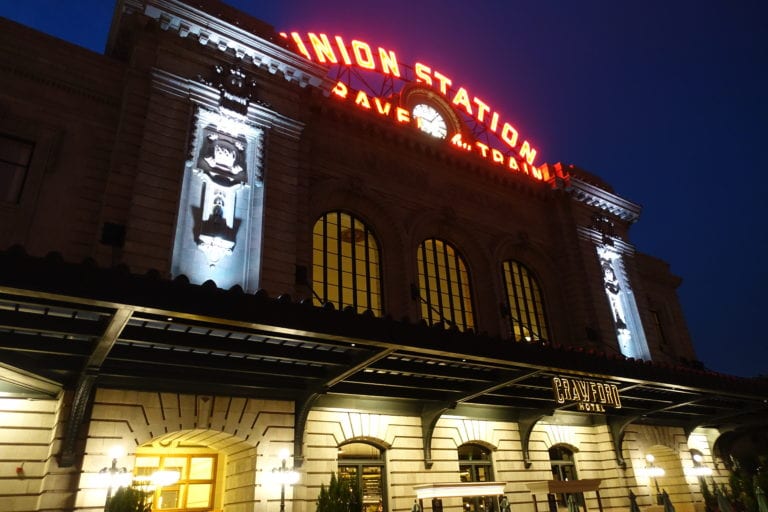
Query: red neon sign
{"points": [[335, 51]]}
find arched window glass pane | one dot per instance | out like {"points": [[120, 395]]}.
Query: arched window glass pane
{"points": [[364, 464], [193, 478], [444, 290], [525, 307], [563, 468], [475, 466], [345, 264]]}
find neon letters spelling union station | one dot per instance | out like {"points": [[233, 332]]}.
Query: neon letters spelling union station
{"points": [[335, 51]]}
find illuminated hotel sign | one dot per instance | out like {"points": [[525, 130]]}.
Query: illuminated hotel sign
{"points": [[515, 154], [589, 395]]}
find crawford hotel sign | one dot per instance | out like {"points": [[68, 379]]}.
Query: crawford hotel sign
{"points": [[588, 395], [432, 114]]}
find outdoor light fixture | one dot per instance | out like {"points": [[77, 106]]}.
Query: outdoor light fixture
{"points": [[699, 469], [284, 476], [113, 476], [654, 472]]}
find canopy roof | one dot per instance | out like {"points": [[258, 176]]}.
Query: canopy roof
{"points": [[59, 321]]}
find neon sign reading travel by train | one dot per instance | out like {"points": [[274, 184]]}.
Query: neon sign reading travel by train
{"points": [[334, 51]]}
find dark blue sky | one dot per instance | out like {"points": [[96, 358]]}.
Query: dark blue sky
{"points": [[666, 100]]}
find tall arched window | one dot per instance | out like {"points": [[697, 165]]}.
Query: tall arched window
{"points": [[345, 264], [475, 465], [364, 463], [444, 289], [563, 468], [525, 307]]}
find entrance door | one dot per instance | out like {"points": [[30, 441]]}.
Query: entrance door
{"points": [[364, 463], [475, 466]]}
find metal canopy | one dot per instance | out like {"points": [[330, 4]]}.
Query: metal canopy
{"points": [[60, 321]]}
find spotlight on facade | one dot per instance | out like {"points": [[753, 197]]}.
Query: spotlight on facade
{"points": [[114, 477], [284, 475]]}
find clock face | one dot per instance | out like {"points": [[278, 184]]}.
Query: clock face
{"points": [[430, 121]]}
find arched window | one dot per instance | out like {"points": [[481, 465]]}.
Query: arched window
{"points": [[444, 289], [524, 305], [563, 468], [192, 483], [475, 465], [364, 463], [345, 264]]}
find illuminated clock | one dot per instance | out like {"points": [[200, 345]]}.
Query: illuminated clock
{"points": [[430, 121]]}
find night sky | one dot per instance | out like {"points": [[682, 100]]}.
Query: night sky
{"points": [[665, 100]]}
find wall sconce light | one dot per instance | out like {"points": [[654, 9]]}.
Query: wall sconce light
{"points": [[284, 476], [654, 472], [114, 477], [699, 469]]}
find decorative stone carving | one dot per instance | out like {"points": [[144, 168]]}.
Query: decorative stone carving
{"points": [[236, 88], [220, 201], [629, 329], [605, 227], [222, 167]]}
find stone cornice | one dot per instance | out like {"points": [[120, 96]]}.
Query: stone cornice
{"points": [[209, 30], [602, 199]]}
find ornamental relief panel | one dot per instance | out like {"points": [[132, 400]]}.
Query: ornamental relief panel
{"points": [[218, 232]]}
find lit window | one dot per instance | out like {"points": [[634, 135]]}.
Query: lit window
{"points": [[345, 264], [475, 465], [524, 305], [563, 468], [363, 464], [191, 487], [15, 157], [444, 288]]}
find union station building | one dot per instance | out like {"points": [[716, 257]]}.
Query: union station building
{"points": [[228, 256]]}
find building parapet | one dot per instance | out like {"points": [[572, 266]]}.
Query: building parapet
{"points": [[602, 199], [209, 29]]}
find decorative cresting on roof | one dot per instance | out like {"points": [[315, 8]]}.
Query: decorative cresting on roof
{"points": [[602, 199], [208, 29]]}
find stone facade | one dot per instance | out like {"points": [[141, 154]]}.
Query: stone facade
{"points": [[117, 142]]}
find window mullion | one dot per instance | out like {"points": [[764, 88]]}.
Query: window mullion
{"points": [[353, 259], [325, 258], [449, 282]]}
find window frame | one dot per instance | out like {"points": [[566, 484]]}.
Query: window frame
{"points": [[557, 466], [525, 307], [16, 218], [445, 285], [331, 256], [25, 167], [473, 466], [184, 482], [360, 463]]}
